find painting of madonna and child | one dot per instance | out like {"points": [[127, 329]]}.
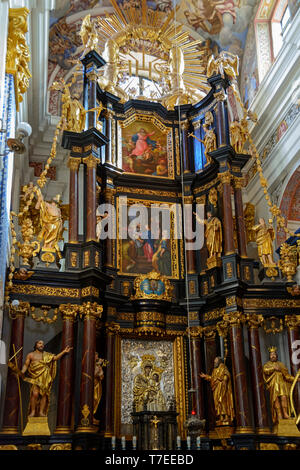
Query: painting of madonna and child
{"points": [[144, 150], [142, 252]]}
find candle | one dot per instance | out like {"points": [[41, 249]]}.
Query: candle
{"points": [[134, 442], [113, 442], [188, 442], [198, 442], [123, 441], [178, 442]]}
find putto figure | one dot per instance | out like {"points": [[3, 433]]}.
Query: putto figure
{"points": [[278, 382], [41, 369], [220, 382]]}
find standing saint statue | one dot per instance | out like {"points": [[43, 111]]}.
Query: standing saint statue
{"points": [[220, 382], [141, 386], [98, 377], [51, 223], [264, 240], [278, 382], [213, 234], [41, 369]]}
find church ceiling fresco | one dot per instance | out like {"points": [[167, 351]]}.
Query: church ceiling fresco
{"points": [[224, 22]]}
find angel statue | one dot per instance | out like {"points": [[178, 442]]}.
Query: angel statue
{"points": [[88, 34], [226, 63]]}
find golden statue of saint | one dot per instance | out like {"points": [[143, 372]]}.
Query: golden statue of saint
{"points": [[213, 235], [51, 223], [98, 377], [278, 382], [220, 382], [41, 368], [264, 240]]}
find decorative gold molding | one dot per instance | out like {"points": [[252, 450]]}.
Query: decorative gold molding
{"points": [[89, 290], [254, 321], [20, 311], [214, 314], [234, 318], [195, 331], [18, 56], [62, 446], [292, 322], [271, 303], [148, 192], [45, 291]]}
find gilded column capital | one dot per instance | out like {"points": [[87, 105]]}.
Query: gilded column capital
{"points": [[19, 311], [254, 321], [91, 161], [185, 125], [68, 311], [222, 328], [73, 163], [112, 328], [109, 114], [225, 177], [234, 318], [239, 182], [220, 95], [292, 322], [188, 199], [90, 310], [18, 56], [92, 75], [109, 193], [195, 331]]}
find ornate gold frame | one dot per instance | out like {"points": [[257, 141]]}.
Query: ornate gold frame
{"points": [[156, 121], [180, 380], [173, 242]]}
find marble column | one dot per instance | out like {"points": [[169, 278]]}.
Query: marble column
{"points": [[109, 134], [190, 254], [239, 216], [91, 203], [90, 312], [260, 406], [221, 118], [196, 366], [228, 229], [65, 389], [73, 164], [12, 397], [242, 410], [108, 409], [293, 326], [92, 97], [185, 148]]}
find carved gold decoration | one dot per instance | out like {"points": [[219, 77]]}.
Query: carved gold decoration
{"points": [[36, 426], [226, 62], [254, 321], [213, 197], [195, 331], [68, 311], [234, 318], [268, 446], [73, 163], [74, 259], [273, 325], [44, 316], [292, 321], [86, 258], [271, 303], [220, 95], [214, 314], [61, 446], [8, 447], [113, 328], [88, 34], [47, 258], [209, 333], [18, 56], [46, 291], [91, 161], [225, 177], [21, 310], [238, 135], [148, 192], [90, 311], [90, 290], [155, 277], [288, 260], [28, 249], [85, 411], [178, 352]]}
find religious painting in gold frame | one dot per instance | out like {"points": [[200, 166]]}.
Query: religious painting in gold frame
{"points": [[144, 255], [146, 146], [170, 362]]}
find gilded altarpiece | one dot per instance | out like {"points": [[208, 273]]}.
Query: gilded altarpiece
{"points": [[167, 359]]}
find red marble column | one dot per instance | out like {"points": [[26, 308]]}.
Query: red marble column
{"points": [[91, 202], [196, 366], [12, 397], [108, 409], [239, 215], [90, 313], [293, 326], [73, 164], [65, 390], [227, 214], [243, 417], [260, 406]]}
